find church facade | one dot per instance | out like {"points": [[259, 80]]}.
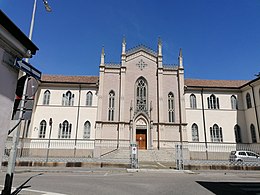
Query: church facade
{"points": [[141, 100]]}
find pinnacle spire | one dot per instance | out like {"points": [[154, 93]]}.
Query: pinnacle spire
{"points": [[102, 58], [159, 46], [159, 41], [180, 58], [124, 40], [180, 53], [103, 51], [123, 45]]}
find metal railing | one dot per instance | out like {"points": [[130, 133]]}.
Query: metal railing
{"points": [[82, 149]]}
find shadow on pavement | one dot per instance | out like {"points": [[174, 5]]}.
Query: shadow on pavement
{"points": [[230, 188]]}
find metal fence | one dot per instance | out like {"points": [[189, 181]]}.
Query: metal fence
{"points": [[186, 153], [60, 149], [217, 153]]}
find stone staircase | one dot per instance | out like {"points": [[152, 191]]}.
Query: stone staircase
{"points": [[162, 155]]}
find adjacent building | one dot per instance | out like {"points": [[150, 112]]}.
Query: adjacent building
{"points": [[13, 45]]}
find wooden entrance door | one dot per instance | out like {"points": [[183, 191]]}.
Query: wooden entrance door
{"points": [[141, 138]]}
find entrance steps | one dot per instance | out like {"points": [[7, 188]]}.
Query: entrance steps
{"points": [[162, 155]]}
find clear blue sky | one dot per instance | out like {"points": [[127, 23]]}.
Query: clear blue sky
{"points": [[220, 38]]}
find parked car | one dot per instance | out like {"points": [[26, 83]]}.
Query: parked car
{"points": [[244, 156]]}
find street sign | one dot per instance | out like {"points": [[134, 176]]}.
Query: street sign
{"points": [[134, 155], [31, 88], [134, 150], [28, 68]]}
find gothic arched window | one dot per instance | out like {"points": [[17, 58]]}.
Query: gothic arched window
{"points": [[237, 134], [86, 133], [248, 101], [46, 97], [233, 102], [213, 102], [171, 107], [193, 101], [89, 98], [216, 133], [111, 106], [68, 99], [42, 130], [141, 95], [195, 132], [65, 130], [253, 134]]}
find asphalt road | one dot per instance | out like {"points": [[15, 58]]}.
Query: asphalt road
{"points": [[119, 182]]}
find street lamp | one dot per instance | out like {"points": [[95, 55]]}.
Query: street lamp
{"points": [[47, 8], [16, 135]]}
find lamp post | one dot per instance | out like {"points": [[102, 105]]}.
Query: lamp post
{"points": [[16, 135], [47, 8], [49, 142]]}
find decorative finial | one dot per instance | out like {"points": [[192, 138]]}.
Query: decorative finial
{"points": [[103, 50], [123, 48], [159, 41], [124, 40], [159, 47], [180, 53], [180, 59], [102, 60]]}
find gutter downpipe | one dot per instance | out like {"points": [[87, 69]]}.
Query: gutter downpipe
{"points": [[119, 110], [256, 114], [158, 112], [204, 124], [77, 124], [180, 118]]}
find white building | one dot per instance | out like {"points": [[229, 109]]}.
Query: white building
{"points": [[141, 100]]}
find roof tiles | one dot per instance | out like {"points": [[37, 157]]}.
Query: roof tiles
{"points": [[188, 82], [69, 79], [215, 83]]}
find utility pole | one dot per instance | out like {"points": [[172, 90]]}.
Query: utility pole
{"points": [[12, 158]]}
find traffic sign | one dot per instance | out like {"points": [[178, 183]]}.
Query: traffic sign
{"points": [[28, 68]]}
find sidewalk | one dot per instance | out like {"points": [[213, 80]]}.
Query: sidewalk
{"points": [[93, 163], [87, 170]]}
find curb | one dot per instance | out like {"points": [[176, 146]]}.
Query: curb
{"points": [[159, 170]]}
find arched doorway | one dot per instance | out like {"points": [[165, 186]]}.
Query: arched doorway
{"points": [[141, 134], [141, 139]]}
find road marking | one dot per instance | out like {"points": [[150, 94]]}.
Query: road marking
{"points": [[161, 164], [37, 191]]}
